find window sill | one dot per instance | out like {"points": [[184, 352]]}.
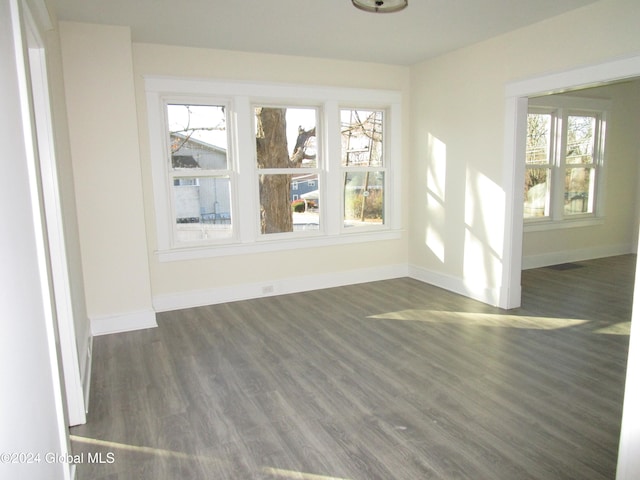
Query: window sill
{"points": [[545, 225], [208, 251]]}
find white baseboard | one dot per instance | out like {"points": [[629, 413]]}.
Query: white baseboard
{"points": [[125, 322], [86, 379], [574, 255], [197, 298], [458, 285]]}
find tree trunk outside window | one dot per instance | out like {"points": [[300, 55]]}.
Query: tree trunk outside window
{"points": [[271, 148]]}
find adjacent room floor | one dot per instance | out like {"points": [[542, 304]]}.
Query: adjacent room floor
{"points": [[385, 380]]}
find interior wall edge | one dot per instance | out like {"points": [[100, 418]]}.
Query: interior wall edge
{"points": [[460, 285]]}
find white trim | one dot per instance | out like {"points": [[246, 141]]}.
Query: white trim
{"points": [[333, 176], [480, 292], [269, 92], [579, 77], [534, 225], [196, 298], [311, 240], [583, 104], [575, 255], [628, 467], [513, 173], [86, 378], [123, 322], [75, 404], [21, 28], [156, 117]]}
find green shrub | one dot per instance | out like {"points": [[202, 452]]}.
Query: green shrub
{"points": [[297, 206]]}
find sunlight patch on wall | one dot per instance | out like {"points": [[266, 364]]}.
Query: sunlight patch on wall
{"points": [[484, 209], [436, 189], [435, 241], [484, 224], [436, 166]]}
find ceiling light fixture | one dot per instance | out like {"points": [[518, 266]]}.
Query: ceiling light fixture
{"points": [[381, 6]]}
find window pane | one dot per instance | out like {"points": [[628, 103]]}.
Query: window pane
{"points": [[538, 138], [580, 139], [286, 137], [363, 198], [536, 192], [284, 208], [198, 137], [361, 137], [202, 208], [578, 187]]}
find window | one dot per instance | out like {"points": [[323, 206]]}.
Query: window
{"points": [[564, 162], [243, 168], [286, 148], [199, 172], [362, 162]]}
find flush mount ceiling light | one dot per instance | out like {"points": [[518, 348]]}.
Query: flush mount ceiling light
{"points": [[381, 6]]}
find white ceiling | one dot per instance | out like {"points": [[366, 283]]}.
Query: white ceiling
{"points": [[317, 28]]}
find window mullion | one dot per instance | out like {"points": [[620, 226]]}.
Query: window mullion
{"points": [[246, 201], [191, 173], [393, 149], [599, 164], [558, 169], [333, 193]]}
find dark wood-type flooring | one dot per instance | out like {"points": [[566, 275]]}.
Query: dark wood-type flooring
{"points": [[385, 380]]}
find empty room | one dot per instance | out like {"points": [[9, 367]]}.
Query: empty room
{"points": [[338, 239]]}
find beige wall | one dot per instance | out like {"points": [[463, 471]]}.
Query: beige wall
{"points": [[458, 139], [103, 135]]}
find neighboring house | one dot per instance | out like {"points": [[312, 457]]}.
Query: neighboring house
{"points": [[200, 198], [305, 187]]}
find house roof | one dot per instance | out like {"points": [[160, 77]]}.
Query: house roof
{"points": [[200, 144]]}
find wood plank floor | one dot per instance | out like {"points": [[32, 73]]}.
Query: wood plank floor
{"points": [[385, 380]]}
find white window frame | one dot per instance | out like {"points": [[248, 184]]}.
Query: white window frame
{"points": [[241, 98], [318, 170], [383, 167], [561, 108], [170, 175]]}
